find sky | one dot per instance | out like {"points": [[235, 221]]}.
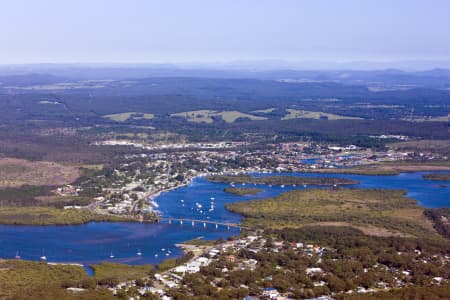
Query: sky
{"points": [[183, 31]]}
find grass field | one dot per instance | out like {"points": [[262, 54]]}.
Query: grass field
{"points": [[375, 212], [304, 114], [208, 116], [122, 117], [17, 172], [51, 216]]}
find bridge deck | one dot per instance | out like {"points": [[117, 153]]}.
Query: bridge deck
{"points": [[235, 225]]}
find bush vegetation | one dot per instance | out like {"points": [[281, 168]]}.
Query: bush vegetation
{"points": [[281, 180], [378, 212], [242, 191]]}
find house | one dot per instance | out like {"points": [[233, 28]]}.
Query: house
{"points": [[193, 267], [272, 293], [311, 271], [181, 269]]}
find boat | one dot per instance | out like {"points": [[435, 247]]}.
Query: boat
{"points": [[17, 255], [154, 204], [212, 198], [181, 200], [282, 186], [43, 257], [156, 255], [139, 253], [111, 255]]}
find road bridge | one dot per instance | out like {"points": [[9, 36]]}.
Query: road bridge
{"points": [[216, 224]]}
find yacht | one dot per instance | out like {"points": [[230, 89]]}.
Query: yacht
{"points": [[139, 253], [17, 255], [111, 255]]}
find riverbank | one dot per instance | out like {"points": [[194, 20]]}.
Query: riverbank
{"points": [[387, 168], [281, 180], [53, 216], [437, 177], [242, 191]]}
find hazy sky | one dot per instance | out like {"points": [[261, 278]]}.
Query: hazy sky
{"points": [[222, 30]]}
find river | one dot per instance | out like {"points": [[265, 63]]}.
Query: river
{"points": [[95, 242]]}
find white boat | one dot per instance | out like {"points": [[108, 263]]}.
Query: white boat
{"points": [[17, 255], [43, 257], [154, 204], [212, 198], [111, 255], [139, 253], [156, 255], [181, 200], [282, 186]]}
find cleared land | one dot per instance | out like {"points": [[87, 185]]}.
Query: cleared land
{"points": [[51, 216], [435, 146], [122, 117], [281, 180], [375, 212], [208, 116], [304, 114], [264, 111], [18, 172]]}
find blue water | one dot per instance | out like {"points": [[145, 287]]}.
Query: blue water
{"points": [[94, 242]]}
